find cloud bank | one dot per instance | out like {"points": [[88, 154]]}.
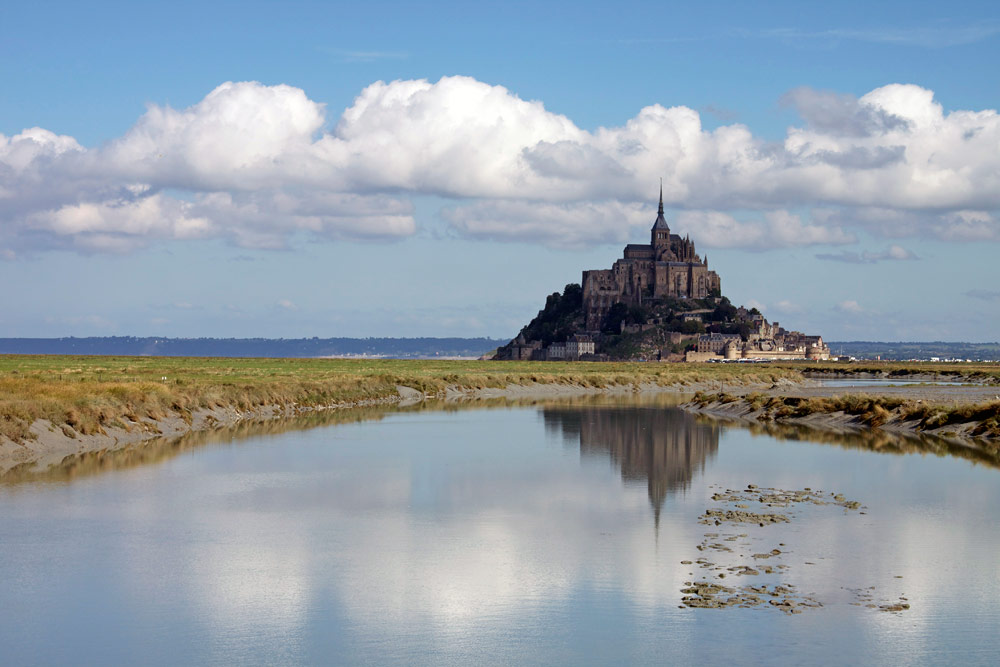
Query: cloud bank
{"points": [[892, 253], [257, 164], [984, 294]]}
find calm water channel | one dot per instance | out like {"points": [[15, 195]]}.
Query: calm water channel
{"points": [[502, 535]]}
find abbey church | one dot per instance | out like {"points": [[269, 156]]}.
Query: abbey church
{"points": [[667, 267]]}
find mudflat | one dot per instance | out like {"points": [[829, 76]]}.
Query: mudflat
{"points": [[927, 390], [927, 404]]}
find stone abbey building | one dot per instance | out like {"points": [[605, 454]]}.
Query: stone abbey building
{"points": [[667, 267]]}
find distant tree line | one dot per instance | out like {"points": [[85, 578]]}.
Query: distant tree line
{"points": [[898, 351], [252, 347]]}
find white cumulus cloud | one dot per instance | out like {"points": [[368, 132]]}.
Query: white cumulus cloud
{"points": [[892, 253], [554, 224], [787, 307], [849, 307], [257, 164], [715, 229]]}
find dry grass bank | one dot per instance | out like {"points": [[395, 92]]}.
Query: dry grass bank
{"points": [[978, 451], [85, 394], [978, 372], [981, 420]]}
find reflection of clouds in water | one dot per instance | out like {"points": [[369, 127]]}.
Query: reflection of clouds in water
{"points": [[506, 560], [957, 547], [499, 547], [243, 564], [244, 581], [928, 520], [536, 542], [428, 545]]}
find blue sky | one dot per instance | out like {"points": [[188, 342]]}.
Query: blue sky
{"points": [[401, 169]]}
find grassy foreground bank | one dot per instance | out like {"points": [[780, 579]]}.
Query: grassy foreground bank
{"points": [[87, 393]]}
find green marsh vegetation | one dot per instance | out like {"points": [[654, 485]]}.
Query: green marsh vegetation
{"points": [[83, 394]]}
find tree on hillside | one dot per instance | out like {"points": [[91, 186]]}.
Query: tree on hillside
{"points": [[692, 327], [556, 321], [615, 317], [724, 311], [619, 314]]}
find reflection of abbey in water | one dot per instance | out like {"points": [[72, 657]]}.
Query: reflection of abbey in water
{"points": [[662, 447]]}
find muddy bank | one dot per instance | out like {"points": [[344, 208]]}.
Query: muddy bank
{"points": [[913, 412], [732, 399], [975, 374], [51, 444]]}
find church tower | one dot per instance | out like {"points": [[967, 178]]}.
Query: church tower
{"points": [[660, 233]]}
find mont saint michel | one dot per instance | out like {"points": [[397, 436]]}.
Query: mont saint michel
{"points": [[666, 267], [659, 301]]}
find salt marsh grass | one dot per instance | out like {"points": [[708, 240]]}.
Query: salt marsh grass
{"points": [[87, 393]]}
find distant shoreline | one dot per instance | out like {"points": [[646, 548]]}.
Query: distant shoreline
{"points": [[413, 348], [315, 348]]}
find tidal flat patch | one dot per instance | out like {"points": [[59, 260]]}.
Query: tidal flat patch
{"points": [[737, 509]]}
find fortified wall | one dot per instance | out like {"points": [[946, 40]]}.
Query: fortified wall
{"points": [[766, 342]]}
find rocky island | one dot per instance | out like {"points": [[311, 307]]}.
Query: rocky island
{"points": [[658, 302]]}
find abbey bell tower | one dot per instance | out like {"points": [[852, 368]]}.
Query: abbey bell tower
{"points": [[660, 233]]}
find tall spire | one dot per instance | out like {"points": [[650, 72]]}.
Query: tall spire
{"points": [[661, 222]]}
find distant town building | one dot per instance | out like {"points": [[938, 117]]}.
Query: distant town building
{"points": [[715, 343], [523, 350], [768, 342], [579, 345]]}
